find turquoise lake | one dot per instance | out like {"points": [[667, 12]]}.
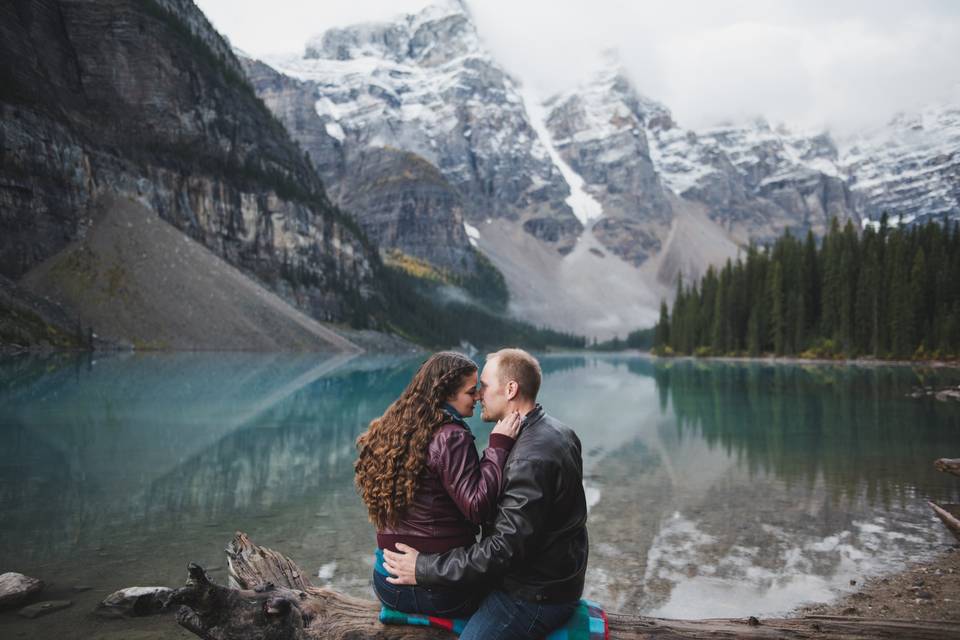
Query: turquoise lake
{"points": [[715, 488]]}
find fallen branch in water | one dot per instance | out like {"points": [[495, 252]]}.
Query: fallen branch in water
{"points": [[271, 598]]}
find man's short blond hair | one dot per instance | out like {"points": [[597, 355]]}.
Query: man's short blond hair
{"points": [[521, 367]]}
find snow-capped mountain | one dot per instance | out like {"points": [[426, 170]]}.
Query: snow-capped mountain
{"points": [[754, 181], [910, 168], [424, 83], [401, 200], [590, 201], [600, 131]]}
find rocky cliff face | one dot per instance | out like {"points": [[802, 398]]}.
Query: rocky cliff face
{"points": [[426, 84], [402, 201], [144, 99], [756, 181], [405, 203], [600, 132]]}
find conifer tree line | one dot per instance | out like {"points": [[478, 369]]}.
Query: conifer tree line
{"points": [[884, 293]]}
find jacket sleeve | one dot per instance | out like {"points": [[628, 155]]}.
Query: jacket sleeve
{"points": [[520, 521], [473, 483]]}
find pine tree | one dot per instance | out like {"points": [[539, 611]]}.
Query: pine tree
{"points": [[662, 335], [754, 343], [901, 320], [849, 260], [831, 285], [918, 276], [677, 316], [777, 318], [866, 308], [810, 284], [718, 337]]}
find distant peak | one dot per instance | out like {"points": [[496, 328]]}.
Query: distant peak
{"points": [[611, 57], [425, 37], [439, 10], [611, 81]]}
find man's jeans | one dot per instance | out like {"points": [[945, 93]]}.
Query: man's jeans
{"points": [[429, 601], [502, 617]]}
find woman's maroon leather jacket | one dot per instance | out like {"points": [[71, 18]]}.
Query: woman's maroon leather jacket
{"points": [[458, 490]]}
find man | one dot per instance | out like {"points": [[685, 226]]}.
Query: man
{"points": [[534, 553]]}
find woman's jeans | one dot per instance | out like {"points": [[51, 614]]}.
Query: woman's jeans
{"points": [[431, 601], [503, 617]]}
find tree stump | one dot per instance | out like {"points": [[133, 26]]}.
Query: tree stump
{"points": [[272, 599]]}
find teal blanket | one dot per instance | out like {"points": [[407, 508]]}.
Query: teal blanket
{"points": [[588, 622]]}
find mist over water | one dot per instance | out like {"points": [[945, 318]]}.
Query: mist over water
{"points": [[716, 489]]}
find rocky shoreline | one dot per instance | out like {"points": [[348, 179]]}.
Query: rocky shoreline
{"points": [[927, 590], [858, 362]]}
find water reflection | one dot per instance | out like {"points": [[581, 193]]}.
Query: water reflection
{"points": [[753, 488], [715, 489], [840, 424]]}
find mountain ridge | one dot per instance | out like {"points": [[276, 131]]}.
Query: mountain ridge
{"points": [[621, 169]]}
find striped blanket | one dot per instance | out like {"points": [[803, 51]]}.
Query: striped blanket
{"points": [[588, 622]]}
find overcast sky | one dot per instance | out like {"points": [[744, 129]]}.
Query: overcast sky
{"points": [[842, 64]]}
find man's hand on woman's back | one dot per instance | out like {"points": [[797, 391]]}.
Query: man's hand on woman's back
{"points": [[401, 565]]}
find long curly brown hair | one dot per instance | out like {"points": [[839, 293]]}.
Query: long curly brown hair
{"points": [[393, 449]]}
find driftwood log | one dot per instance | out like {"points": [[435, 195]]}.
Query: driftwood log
{"points": [[269, 597], [949, 514], [948, 465]]}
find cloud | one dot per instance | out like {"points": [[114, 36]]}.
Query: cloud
{"points": [[283, 26], [845, 64]]}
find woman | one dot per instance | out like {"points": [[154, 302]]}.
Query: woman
{"points": [[422, 481]]}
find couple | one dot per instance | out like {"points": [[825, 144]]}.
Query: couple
{"points": [[427, 490]]}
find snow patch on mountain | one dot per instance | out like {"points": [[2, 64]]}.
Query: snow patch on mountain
{"points": [[680, 161], [584, 206], [896, 221], [473, 234]]}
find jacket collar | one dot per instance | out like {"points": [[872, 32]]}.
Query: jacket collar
{"points": [[532, 416], [453, 414]]}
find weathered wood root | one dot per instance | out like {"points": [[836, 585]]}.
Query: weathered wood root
{"points": [[949, 515], [274, 600], [948, 465]]}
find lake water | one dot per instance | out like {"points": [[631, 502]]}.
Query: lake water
{"points": [[715, 489]]}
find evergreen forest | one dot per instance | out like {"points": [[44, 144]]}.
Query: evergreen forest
{"points": [[886, 292]]}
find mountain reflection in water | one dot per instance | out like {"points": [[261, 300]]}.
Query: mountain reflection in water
{"points": [[715, 489]]}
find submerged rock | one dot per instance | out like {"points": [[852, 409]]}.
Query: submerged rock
{"points": [[44, 608], [948, 394], [134, 602], [15, 588]]}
